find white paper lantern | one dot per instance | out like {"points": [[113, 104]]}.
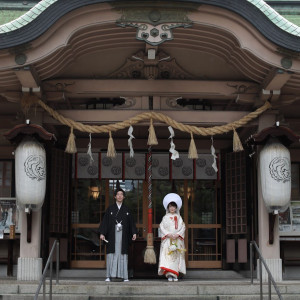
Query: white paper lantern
{"points": [[275, 175], [30, 167]]}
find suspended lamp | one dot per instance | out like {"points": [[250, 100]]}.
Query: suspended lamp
{"points": [[94, 189], [30, 167], [275, 169], [95, 192], [275, 175]]}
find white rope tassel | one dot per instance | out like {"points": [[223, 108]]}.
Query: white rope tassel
{"points": [[89, 152], [130, 130], [172, 150], [213, 153]]}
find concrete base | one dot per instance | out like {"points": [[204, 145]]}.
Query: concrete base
{"points": [[275, 267], [29, 268]]}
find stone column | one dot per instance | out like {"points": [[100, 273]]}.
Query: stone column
{"points": [[29, 262], [271, 253]]}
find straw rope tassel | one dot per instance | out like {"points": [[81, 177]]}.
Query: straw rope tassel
{"points": [[71, 145], [193, 150], [237, 145], [152, 140], [150, 257], [111, 151]]}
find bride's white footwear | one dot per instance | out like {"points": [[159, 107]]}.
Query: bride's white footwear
{"points": [[170, 278]]}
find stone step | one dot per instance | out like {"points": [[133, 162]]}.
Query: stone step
{"points": [[180, 297], [149, 290], [83, 297], [54, 297]]}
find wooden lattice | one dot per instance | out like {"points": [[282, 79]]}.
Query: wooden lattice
{"points": [[59, 194], [236, 209]]}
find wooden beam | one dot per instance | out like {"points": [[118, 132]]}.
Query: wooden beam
{"points": [[276, 79], [75, 88], [28, 77]]}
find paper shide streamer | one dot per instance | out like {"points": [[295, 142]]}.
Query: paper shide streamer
{"points": [[213, 153], [130, 131], [172, 150]]}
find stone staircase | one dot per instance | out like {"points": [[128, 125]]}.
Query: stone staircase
{"points": [[148, 290], [197, 284]]}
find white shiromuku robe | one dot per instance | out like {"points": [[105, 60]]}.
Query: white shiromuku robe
{"points": [[171, 264]]}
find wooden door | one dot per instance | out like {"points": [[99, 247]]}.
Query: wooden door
{"points": [[88, 207], [201, 214], [237, 209], [91, 197], [58, 206]]}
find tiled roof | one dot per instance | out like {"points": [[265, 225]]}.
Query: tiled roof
{"points": [[7, 15], [276, 18], [267, 10], [293, 19], [27, 17]]}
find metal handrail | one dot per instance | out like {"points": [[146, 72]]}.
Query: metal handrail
{"points": [[270, 277], [43, 278]]}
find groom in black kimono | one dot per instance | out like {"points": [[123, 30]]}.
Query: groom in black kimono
{"points": [[118, 229]]}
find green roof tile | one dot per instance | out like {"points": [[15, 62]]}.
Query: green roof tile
{"points": [[41, 7], [293, 19], [9, 15]]}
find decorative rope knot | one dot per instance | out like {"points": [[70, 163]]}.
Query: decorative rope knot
{"points": [[30, 99]]}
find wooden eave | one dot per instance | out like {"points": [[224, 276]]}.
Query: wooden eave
{"points": [[284, 134], [16, 134]]}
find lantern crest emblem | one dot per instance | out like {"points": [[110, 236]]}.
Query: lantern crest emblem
{"points": [[34, 167], [280, 169]]}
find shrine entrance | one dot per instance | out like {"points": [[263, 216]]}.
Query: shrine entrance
{"points": [[200, 211]]}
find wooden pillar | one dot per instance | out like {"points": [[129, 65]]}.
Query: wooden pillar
{"points": [[270, 252]]}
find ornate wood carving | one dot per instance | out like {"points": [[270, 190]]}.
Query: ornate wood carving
{"points": [[138, 66], [154, 25]]}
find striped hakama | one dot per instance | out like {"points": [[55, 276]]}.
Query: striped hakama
{"points": [[117, 263]]}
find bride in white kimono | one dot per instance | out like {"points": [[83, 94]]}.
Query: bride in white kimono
{"points": [[172, 228]]}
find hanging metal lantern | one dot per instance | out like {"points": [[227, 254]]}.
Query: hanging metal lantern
{"points": [[275, 175], [30, 167]]}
